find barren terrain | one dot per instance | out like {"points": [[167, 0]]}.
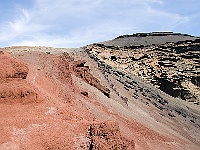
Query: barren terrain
{"points": [[59, 98]]}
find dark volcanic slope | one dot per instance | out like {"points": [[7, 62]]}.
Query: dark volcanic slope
{"points": [[148, 39], [170, 61]]}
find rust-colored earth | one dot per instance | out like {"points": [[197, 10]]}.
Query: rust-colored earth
{"points": [[63, 101]]}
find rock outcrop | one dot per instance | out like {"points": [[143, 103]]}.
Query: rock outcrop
{"points": [[82, 71], [136, 89], [172, 66], [106, 135]]}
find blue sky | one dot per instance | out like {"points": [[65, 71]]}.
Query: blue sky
{"points": [[75, 23]]}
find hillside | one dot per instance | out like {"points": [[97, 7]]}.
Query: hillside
{"points": [[170, 61], [91, 98]]}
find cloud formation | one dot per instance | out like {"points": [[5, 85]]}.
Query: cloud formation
{"points": [[74, 23]]}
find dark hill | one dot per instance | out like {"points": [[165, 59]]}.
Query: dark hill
{"points": [[146, 39]]}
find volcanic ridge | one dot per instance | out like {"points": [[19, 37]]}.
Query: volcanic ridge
{"points": [[139, 91]]}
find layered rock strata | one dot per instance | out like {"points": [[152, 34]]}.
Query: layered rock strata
{"points": [[173, 67]]}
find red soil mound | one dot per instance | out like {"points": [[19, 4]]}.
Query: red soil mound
{"points": [[14, 88], [11, 67], [41, 107], [17, 92]]}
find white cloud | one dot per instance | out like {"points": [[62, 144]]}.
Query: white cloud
{"points": [[74, 23], [19, 24], [77, 37]]}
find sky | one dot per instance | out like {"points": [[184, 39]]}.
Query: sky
{"points": [[75, 23]]}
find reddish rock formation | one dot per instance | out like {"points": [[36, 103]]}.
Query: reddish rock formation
{"points": [[11, 68], [83, 72], [14, 87], [107, 135], [33, 121]]}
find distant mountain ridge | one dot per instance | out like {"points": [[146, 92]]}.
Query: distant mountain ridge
{"points": [[152, 34], [147, 39]]}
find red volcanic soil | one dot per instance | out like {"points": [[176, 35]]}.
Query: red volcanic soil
{"points": [[39, 110], [55, 102]]}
